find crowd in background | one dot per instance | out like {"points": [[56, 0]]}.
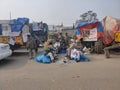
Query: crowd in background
{"points": [[63, 43]]}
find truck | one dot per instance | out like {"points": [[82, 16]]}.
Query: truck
{"points": [[111, 31], [90, 34], [39, 31], [14, 32], [101, 36]]}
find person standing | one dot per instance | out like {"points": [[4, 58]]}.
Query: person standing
{"points": [[67, 39], [31, 46]]}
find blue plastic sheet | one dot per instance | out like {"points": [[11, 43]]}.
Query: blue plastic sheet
{"points": [[77, 32], [84, 23], [82, 58], [100, 27], [43, 59], [17, 24]]}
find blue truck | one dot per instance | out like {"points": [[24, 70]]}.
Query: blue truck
{"points": [[39, 31]]}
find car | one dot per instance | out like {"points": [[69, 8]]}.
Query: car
{"points": [[5, 51]]}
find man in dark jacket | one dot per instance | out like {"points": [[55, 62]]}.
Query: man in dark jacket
{"points": [[31, 46]]}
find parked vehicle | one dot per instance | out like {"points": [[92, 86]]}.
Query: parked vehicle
{"points": [[90, 34], [5, 51], [111, 37], [39, 31], [100, 35], [14, 32]]}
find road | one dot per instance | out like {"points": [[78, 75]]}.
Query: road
{"points": [[19, 73]]}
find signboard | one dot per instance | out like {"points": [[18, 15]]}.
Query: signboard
{"points": [[90, 35]]}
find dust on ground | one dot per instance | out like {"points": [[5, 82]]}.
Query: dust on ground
{"points": [[20, 73]]}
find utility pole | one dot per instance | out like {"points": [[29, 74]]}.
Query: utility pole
{"points": [[10, 16]]}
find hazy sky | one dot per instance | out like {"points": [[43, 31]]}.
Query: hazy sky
{"points": [[57, 11]]}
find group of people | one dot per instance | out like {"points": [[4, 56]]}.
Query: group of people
{"points": [[56, 46], [70, 45], [76, 51]]}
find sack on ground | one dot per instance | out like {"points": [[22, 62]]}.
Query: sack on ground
{"points": [[43, 59]]}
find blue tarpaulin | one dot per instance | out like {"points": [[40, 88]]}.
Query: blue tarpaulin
{"points": [[88, 25], [17, 24], [99, 28], [43, 58], [83, 24], [77, 31]]}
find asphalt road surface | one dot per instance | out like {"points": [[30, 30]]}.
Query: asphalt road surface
{"points": [[19, 73]]}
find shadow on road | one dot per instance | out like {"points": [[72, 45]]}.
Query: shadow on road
{"points": [[18, 54], [17, 60]]}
